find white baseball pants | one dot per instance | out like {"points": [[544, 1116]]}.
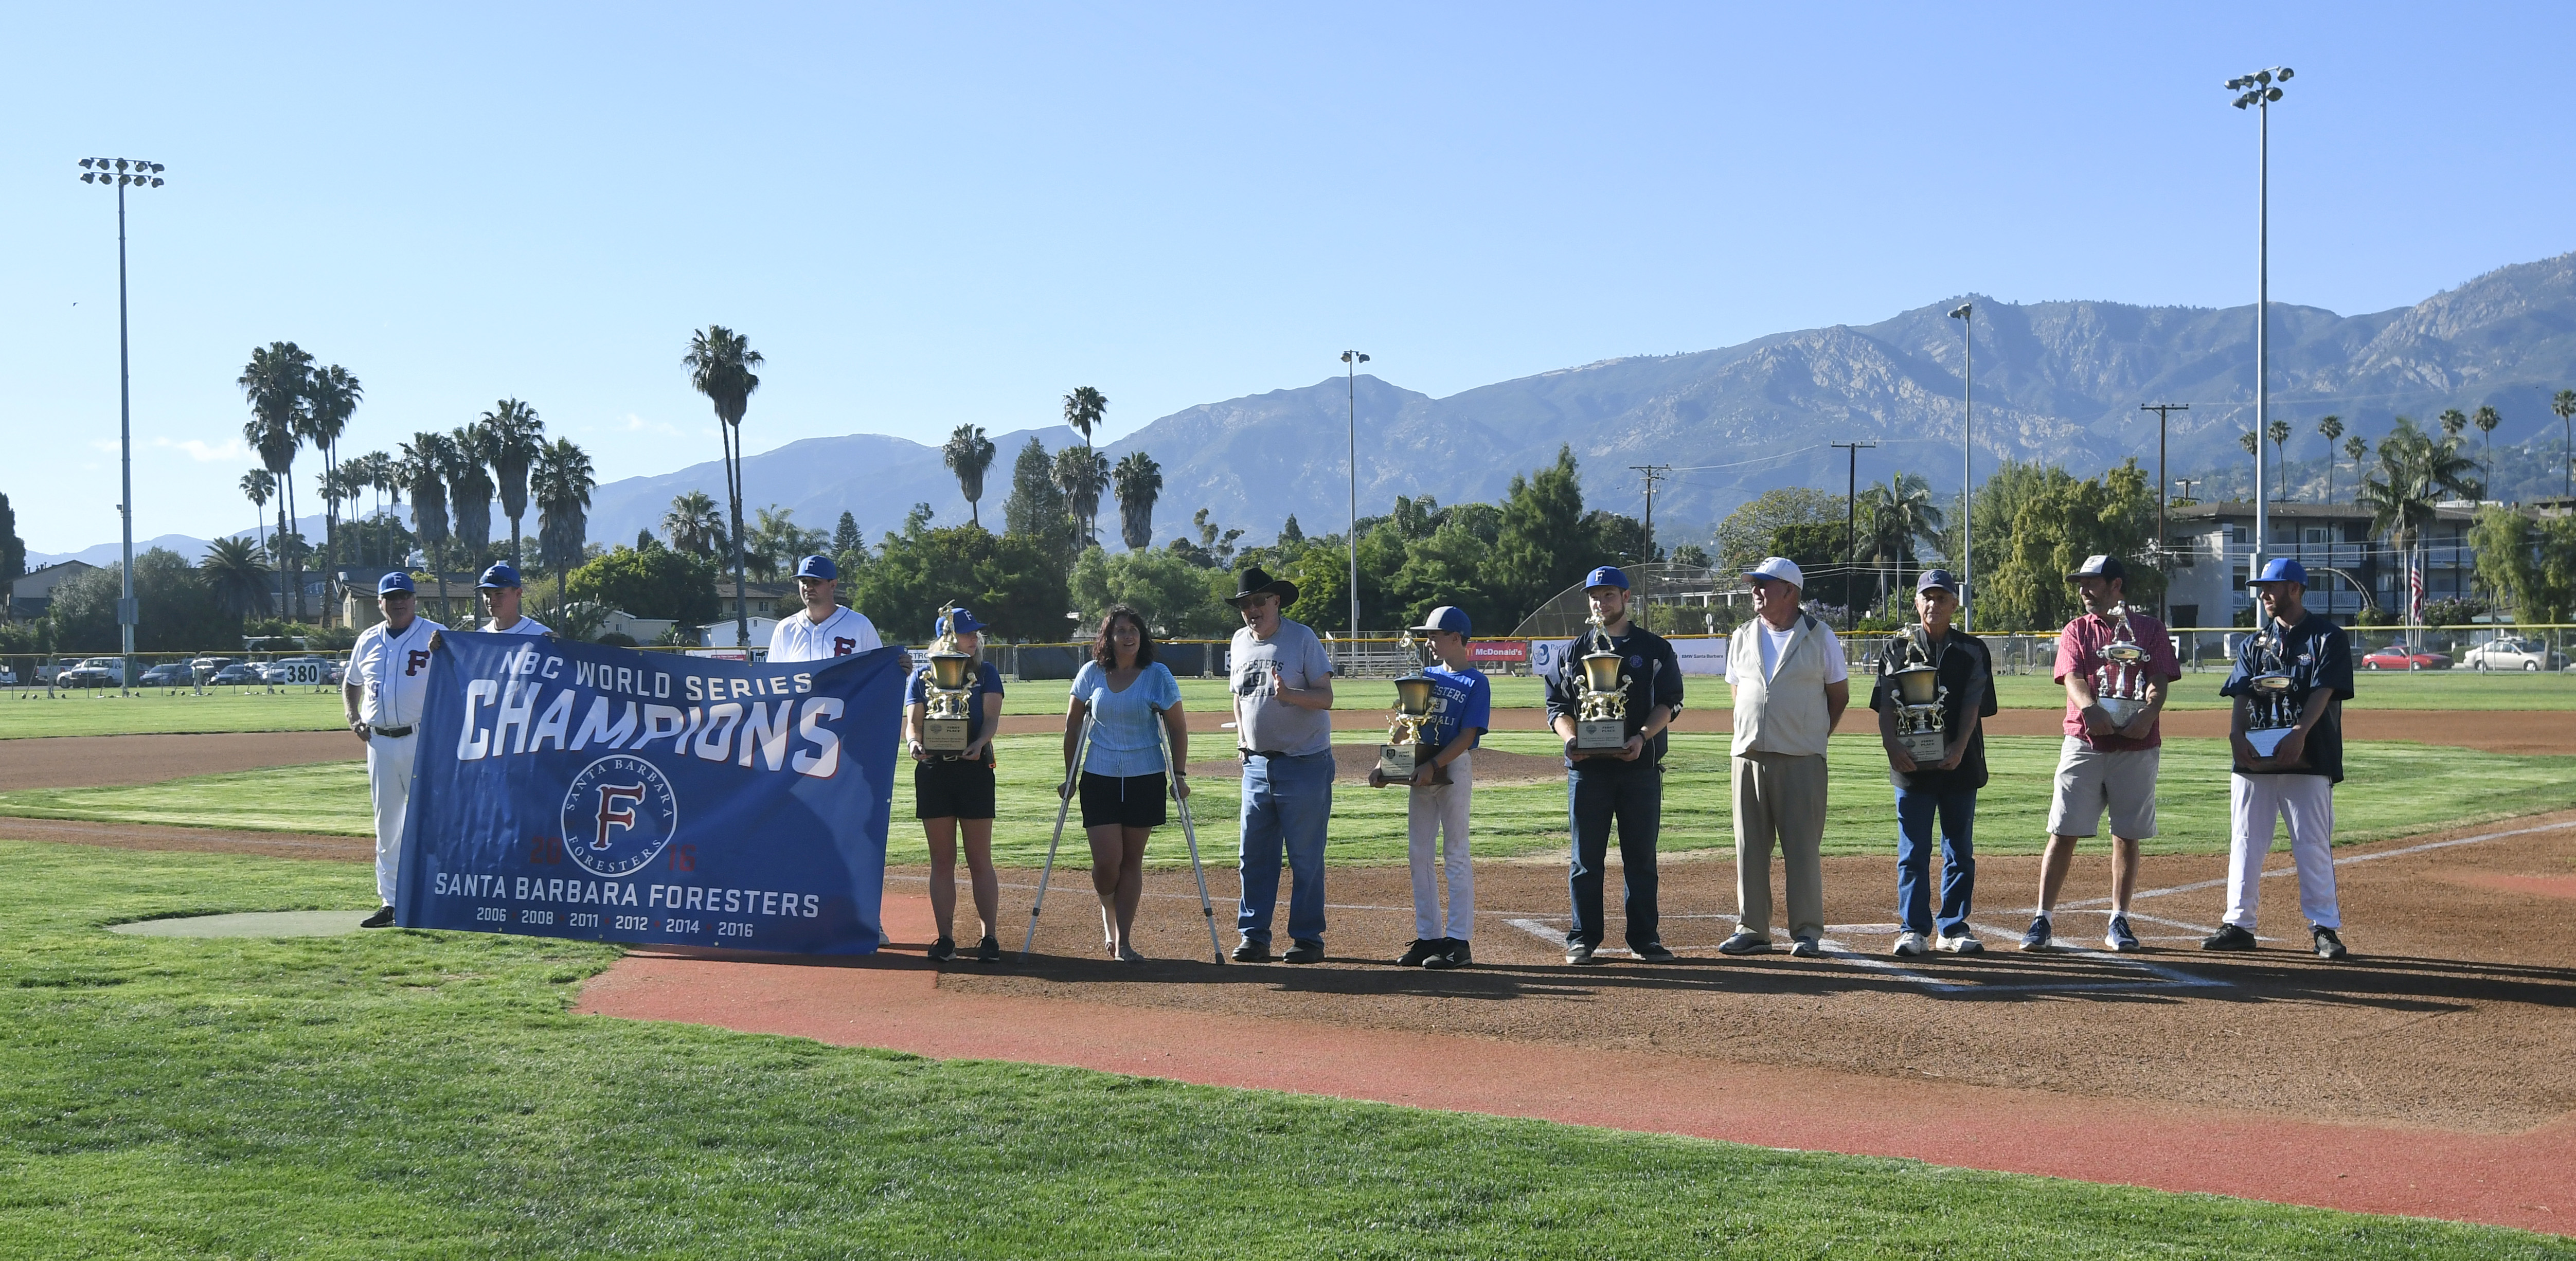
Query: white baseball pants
{"points": [[389, 790], [1440, 812], [2255, 804]]}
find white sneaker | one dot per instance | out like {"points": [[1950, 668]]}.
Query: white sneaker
{"points": [[1908, 945], [1965, 943]]}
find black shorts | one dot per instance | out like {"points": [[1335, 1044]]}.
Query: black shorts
{"points": [[1136, 801], [947, 788]]}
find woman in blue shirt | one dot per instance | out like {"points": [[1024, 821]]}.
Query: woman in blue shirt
{"points": [[1124, 692], [952, 793]]}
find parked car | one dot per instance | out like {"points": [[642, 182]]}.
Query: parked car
{"points": [[2513, 652], [170, 674], [239, 673], [205, 668], [87, 674], [8, 677], [2401, 657]]}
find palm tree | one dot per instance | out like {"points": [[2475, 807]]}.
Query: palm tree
{"points": [[1139, 481], [2251, 444], [2279, 432], [1083, 409], [560, 479], [1082, 473], [330, 398], [423, 471], [968, 453], [257, 486], [694, 524], [2415, 471], [2453, 421], [2356, 447], [2565, 406], [236, 574], [469, 490], [2486, 420], [384, 476], [517, 437], [720, 363], [2331, 428], [274, 383], [1894, 518]]}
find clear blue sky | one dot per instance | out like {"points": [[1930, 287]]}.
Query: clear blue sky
{"points": [[953, 214]]}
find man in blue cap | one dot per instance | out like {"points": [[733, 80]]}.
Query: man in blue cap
{"points": [[823, 629], [1964, 671], [1626, 785], [387, 682], [500, 590], [1435, 809], [2294, 778]]}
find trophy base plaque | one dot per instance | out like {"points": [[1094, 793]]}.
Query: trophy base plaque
{"points": [[2267, 739], [1601, 735], [1927, 748], [943, 735], [1396, 763], [2122, 709]]}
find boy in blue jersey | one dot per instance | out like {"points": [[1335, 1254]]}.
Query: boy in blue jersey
{"points": [[1462, 705]]}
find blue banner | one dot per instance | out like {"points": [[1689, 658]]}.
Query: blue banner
{"points": [[567, 789]]}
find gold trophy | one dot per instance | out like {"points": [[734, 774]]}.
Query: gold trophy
{"points": [[2120, 684], [945, 697], [1401, 755], [1920, 721], [1601, 722], [2272, 716]]}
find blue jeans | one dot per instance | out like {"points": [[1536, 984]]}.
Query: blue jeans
{"points": [[1958, 811], [1634, 798], [1286, 802]]}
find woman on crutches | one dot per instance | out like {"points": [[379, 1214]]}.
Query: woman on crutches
{"points": [[1124, 692]]}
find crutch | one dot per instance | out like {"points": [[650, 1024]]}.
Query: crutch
{"points": [[1072, 778], [1189, 832]]}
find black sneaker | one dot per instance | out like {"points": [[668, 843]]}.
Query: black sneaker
{"points": [[1579, 953], [383, 918], [1453, 954], [1652, 952], [1304, 952], [2040, 935], [1250, 951], [1420, 952], [2228, 937], [2328, 945], [988, 951], [943, 950]]}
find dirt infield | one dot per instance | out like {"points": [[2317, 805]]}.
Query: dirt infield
{"points": [[95, 761]]}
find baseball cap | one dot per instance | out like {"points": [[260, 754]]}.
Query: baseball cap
{"points": [[393, 582], [818, 567], [1937, 578], [499, 575], [958, 622], [1449, 617], [2107, 568], [2284, 569], [1780, 567], [1606, 576]]}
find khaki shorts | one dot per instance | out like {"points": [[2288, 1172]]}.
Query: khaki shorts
{"points": [[2090, 780]]}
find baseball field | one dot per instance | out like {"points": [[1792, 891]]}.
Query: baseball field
{"points": [[414, 1093]]}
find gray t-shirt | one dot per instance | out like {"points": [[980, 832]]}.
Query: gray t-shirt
{"points": [[1292, 657]]}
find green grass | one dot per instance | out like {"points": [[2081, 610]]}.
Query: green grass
{"points": [[405, 1094], [2392, 790]]}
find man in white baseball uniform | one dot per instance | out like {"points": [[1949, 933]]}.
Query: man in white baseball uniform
{"points": [[500, 591], [822, 629], [388, 680]]}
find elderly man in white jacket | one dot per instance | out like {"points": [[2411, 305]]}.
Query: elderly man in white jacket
{"points": [[1791, 686]]}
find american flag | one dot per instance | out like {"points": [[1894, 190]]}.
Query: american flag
{"points": [[2414, 592]]}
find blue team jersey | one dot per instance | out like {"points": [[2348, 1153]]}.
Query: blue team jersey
{"points": [[1460, 699]]}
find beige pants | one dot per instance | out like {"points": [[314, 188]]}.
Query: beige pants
{"points": [[1780, 797]]}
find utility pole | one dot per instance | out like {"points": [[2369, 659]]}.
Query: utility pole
{"points": [[1851, 524], [2163, 534], [1652, 471]]}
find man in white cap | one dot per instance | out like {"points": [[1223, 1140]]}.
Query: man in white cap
{"points": [[823, 629], [500, 589], [1791, 687], [387, 682]]}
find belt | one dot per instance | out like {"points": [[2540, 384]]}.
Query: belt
{"points": [[1249, 754], [390, 733]]}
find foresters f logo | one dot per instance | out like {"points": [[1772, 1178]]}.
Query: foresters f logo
{"points": [[618, 815]]}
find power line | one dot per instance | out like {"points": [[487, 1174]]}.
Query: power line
{"points": [[1652, 471]]}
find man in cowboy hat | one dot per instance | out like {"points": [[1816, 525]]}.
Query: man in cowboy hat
{"points": [[1283, 700]]}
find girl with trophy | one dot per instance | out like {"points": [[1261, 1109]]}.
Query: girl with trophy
{"points": [[952, 709]]}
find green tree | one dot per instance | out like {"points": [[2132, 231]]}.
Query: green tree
{"points": [[2356, 447], [846, 538], [331, 397], [2279, 432], [695, 525], [237, 578], [516, 436], [2453, 421], [2416, 471], [2330, 428], [2563, 405], [650, 582], [1289, 531], [777, 543], [424, 470], [259, 486], [2486, 419], [1035, 508], [13, 555], [1172, 593], [274, 384], [1541, 547], [968, 453], [1692, 554], [560, 480], [469, 492], [1744, 537], [178, 613], [1083, 410], [1012, 582], [1082, 473], [2057, 522], [2508, 561], [720, 363], [1139, 482]]}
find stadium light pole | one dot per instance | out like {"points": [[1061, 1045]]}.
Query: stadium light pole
{"points": [[2259, 90], [1966, 314], [1351, 361], [121, 174]]}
